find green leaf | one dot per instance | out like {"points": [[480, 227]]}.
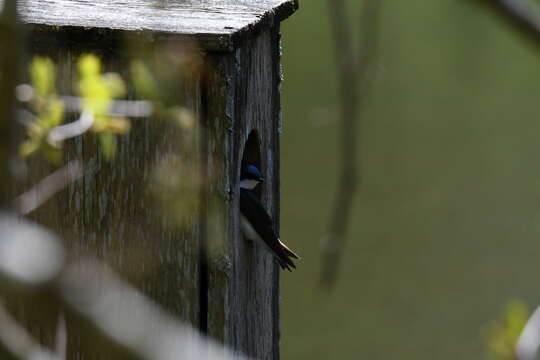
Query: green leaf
{"points": [[107, 141], [28, 147], [116, 85], [96, 94], [143, 80], [52, 154], [89, 65], [183, 117], [504, 333], [53, 115], [42, 75], [118, 125]]}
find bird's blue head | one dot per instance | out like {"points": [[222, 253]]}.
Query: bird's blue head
{"points": [[250, 177]]}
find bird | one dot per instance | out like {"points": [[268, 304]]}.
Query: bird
{"points": [[255, 223]]}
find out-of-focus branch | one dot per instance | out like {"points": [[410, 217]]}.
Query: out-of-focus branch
{"points": [[524, 15], [125, 315], [529, 341], [18, 342], [72, 129], [60, 340], [129, 108], [47, 187], [31, 256], [40, 264], [352, 68]]}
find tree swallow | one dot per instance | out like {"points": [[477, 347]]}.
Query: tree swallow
{"points": [[255, 223]]}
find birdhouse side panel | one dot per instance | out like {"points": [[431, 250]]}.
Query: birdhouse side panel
{"points": [[127, 211], [244, 284]]}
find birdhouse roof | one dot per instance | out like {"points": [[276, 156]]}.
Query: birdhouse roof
{"points": [[214, 24]]}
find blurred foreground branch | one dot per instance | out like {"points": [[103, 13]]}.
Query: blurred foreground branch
{"points": [[31, 257], [46, 188], [529, 341], [128, 108], [18, 342], [352, 67], [524, 15]]}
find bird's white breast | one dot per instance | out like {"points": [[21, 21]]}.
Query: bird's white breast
{"points": [[248, 184], [248, 230]]}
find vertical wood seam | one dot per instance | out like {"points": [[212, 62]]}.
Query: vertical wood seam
{"points": [[203, 213]]}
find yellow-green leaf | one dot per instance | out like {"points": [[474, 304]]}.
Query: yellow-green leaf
{"points": [[144, 81], [53, 115], [504, 333], [116, 85], [42, 75], [183, 117], [89, 65], [100, 123], [94, 90], [108, 145], [52, 154], [28, 147], [118, 125]]}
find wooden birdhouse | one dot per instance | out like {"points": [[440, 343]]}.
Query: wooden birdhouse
{"points": [[182, 247]]}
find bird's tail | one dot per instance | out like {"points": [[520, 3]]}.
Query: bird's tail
{"points": [[283, 256], [286, 264], [288, 251]]}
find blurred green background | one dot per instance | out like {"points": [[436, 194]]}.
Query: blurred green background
{"points": [[446, 225]]}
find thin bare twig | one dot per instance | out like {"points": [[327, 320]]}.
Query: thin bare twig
{"points": [[128, 108], [524, 15], [352, 68], [72, 129], [47, 187]]}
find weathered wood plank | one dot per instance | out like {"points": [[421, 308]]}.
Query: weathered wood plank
{"points": [[9, 57], [112, 213], [236, 295], [216, 25], [244, 280]]}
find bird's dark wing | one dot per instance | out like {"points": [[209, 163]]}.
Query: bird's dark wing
{"points": [[255, 213]]}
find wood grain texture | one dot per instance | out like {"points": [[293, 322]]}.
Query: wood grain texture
{"points": [[244, 278], [109, 214], [216, 25], [9, 58], [112, 213]]}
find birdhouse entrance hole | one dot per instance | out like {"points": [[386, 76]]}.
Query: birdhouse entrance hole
{"points": [[252, 155]]}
